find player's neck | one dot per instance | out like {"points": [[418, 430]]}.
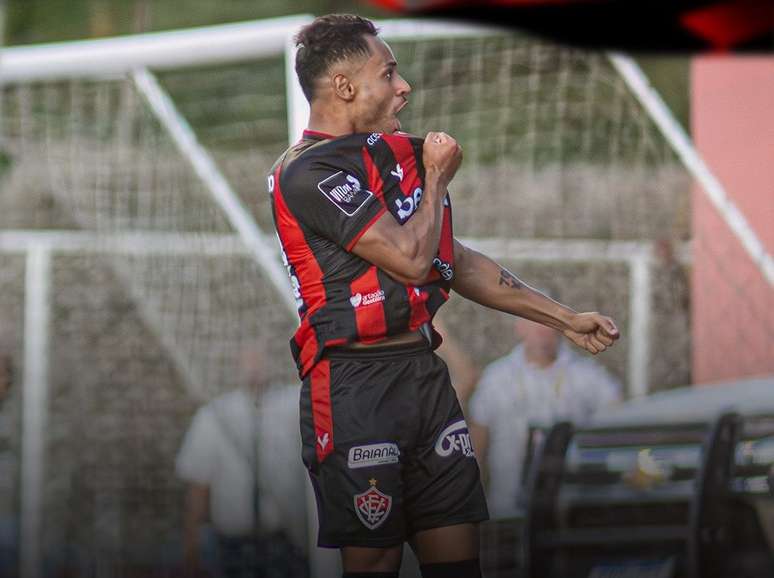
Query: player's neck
{"points": [[327, 121]]}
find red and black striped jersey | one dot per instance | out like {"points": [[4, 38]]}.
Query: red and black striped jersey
{"points": [[326, 192]]}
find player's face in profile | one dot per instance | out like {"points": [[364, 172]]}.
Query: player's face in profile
{"points": [[381, 92]]}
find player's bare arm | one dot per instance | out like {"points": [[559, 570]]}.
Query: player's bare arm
{"points": [[406, 252], [480, 279]]}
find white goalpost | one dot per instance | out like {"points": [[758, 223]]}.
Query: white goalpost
{"points": [[135, 196]]}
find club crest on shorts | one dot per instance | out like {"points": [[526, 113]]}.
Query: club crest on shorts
{"points": [[372, 506]]}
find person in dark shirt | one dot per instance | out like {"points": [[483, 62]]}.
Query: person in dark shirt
{"points": [[364, 220]]}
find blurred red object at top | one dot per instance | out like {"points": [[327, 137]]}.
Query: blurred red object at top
{"points": [[649, 25]]}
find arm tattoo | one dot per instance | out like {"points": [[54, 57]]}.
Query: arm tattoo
{"points": [[508, 279]]}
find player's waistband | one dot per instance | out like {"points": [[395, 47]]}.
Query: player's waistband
{"points": [[379, 351]]}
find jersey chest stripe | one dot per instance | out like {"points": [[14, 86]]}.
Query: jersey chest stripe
{"points": [[397, 301], [298, 252], [405, 156], [368, 300], [375, 181], [375, 185], [419, 313]]}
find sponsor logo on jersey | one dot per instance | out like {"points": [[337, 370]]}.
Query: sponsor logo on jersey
{"points": [[373, 455], [373, 138], [444, 268], [344, 191], [359, 299], [295, 284], [356, 299], [372, 506], [397, 172], [407, 205], [455, 438]]}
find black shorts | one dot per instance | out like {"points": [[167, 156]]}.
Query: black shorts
{"points": [[387, 447]]}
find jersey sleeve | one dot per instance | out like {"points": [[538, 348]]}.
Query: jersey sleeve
{"points": [[333, 200]]}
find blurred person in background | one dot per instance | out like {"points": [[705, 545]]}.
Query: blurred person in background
{"points": [[540, 382], [8, 472], [462, 368], [240, 460]]}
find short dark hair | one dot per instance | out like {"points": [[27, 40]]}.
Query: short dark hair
{"points": [[327, 40]]}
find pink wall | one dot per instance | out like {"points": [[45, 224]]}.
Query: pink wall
{"points": [[732, 109]]}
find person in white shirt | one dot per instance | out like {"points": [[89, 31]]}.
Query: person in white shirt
{"points": [[542, 381], [240, 460]]}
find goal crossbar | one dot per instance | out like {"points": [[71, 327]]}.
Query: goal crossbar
{"points": [[109, 57], [115, 57]]}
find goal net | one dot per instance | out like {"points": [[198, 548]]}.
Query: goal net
{"points": [[134, 192]]}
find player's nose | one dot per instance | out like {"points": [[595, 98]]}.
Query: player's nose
{"points": [[404, 88]]}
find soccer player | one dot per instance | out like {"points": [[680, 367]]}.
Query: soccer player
{"points": [[364, 218]]}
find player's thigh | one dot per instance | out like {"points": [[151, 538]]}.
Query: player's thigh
{"points": [[446, 544], [442, 479], [356, 559], [356, 422]]}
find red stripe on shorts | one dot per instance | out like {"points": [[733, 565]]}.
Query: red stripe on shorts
{"points": [[322, 414]]}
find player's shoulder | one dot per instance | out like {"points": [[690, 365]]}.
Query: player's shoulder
{"points": [[349, 147], [307, 166], [335, 153], [308, 163], [399, 142], [412, 138], [386, 150]]}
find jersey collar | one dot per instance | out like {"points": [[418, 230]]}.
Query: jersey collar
{"points": [[317, 135]]}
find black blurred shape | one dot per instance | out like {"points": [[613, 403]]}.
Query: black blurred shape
{"points": [[655, 26]]}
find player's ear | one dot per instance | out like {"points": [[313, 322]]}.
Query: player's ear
{"points": [[343, 87]]}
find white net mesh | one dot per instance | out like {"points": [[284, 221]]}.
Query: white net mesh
{"points": [[555, 148], [732, 293], [141, 335]]}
